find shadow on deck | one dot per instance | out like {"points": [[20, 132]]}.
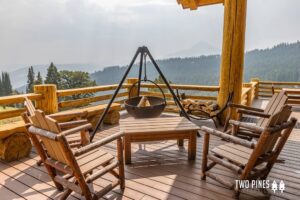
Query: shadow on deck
{"points": [[159, 171]]}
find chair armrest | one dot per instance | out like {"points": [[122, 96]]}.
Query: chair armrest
{"points": [[232, 105], [72, 124], [254, 113], [97, 144], [229, 138], [250, 127], [77, 129], [69, 114]]}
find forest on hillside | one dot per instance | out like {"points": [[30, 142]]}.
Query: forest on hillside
{"points": [[279, 63]]}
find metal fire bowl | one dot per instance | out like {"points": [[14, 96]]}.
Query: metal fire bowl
{"points": [[157, 107]]}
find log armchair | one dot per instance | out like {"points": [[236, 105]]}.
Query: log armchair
{"points": [[65, 121], [75, 169], [276, 103], [249, 160]]}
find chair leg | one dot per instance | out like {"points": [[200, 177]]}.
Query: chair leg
{"points": [[204, 156], [39, 163], [65, 194], [121, 163]]}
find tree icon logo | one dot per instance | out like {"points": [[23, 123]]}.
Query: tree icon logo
{"points": [[274, 186]]}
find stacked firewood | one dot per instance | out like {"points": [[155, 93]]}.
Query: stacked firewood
{"points": [[200, 108]]}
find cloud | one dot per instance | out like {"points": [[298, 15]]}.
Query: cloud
{"points": [[108, 32]]}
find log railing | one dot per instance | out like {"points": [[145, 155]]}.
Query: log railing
{"points": [[13, 100], [267, 88], [101, 94]]}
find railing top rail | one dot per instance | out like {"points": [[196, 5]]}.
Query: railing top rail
{"points": [[185, 87], [278, 83], [68, 92], [6, 100]]}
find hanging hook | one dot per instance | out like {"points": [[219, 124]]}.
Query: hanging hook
{"points": [[145, 67]]}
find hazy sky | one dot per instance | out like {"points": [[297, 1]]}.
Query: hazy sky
{"points": [[108, 32]]}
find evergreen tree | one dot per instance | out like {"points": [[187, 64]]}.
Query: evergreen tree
{"points": [[39, 79], [6, 84], [1, 87], [30, 80], [52, 75]]}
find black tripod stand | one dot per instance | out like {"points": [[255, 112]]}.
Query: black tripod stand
{"points": [[143, 52]]}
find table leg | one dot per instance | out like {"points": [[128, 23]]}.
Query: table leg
{"points": [[127, 150], [180, 142], [192, 148]]}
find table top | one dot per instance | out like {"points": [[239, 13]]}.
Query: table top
{"points": [[157, 125]]}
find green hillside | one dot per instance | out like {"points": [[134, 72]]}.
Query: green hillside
{"points": [[280, 63]]}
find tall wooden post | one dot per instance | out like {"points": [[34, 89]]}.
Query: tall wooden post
{"points": [[232, 63], [49, 103]]}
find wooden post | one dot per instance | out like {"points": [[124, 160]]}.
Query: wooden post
{"points": [[134, 90], [49, 102], [249, 93], [256, 90], [232, 63]]}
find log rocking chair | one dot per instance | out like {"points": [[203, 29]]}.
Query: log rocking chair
{"points": [[250, 160]]}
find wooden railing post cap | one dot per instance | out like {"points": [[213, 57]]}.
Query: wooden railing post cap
{"points": [[45, 85], [254, 79]]}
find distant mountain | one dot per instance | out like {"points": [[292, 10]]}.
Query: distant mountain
{"points": [[19, 76], [201, 48], [280, 63]]}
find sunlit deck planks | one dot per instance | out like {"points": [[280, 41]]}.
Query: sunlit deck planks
{"points": [[159, 171]]}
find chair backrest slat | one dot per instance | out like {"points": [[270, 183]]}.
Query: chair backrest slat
{"points": [[276, 119], [282, 117], [54, 148], [274, 105], [29, 107]]}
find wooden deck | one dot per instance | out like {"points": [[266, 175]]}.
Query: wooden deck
{"points": [[159, 171]]}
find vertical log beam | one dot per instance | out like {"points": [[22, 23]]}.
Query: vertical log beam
{"points": [[232, 63], [49, 102]]}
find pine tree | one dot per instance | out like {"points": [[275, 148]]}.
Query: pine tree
{"points": [[1, 87], [52, 75], [30, 80], [6, 84], [39, 79]]}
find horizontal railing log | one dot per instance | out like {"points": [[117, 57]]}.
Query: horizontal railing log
{"points": [[70, 92], [203, 88], [86, 101], [14, 99], [267, 88]]}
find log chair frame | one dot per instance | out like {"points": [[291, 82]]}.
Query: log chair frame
{"points": [[277, 101], [73, 178], [265, 151]]}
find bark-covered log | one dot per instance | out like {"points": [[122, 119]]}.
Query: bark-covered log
{"points": [[15, 147]]}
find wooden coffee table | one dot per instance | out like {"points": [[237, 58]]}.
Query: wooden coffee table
{"points": [[155, 129]]}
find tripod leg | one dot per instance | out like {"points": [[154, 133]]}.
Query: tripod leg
{"points": [[140, 50], [168, 85]]}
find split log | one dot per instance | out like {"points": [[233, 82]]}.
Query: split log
{"points": [[112, 117], [144, 102], [15, 147]]}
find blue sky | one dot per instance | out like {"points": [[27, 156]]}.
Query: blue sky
{"points": [[107, 32]]}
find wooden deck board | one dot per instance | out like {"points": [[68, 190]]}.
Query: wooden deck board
{"points": [[159, 171]]}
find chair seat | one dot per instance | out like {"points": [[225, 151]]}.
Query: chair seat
{"points": [[74, 138], [233, 152], [93, 159]]}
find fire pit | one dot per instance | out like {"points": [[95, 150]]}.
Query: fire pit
{"points": [[157, 106], [145, 106]]}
